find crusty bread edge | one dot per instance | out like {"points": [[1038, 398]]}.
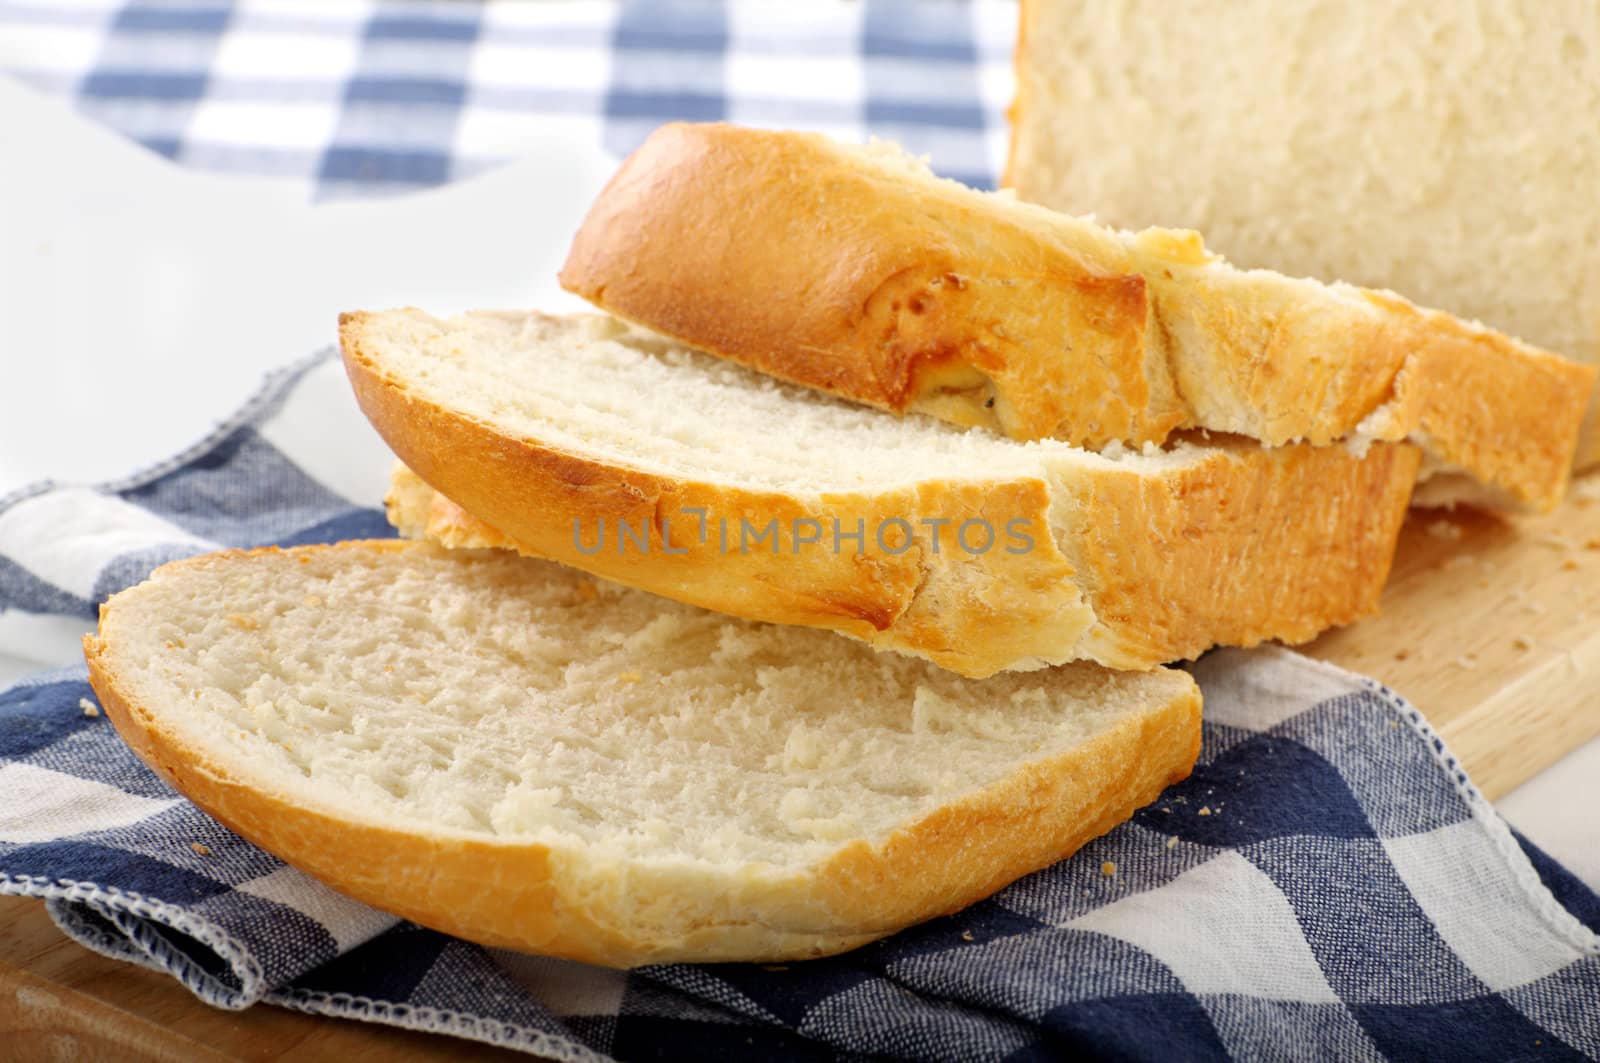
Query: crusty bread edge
{"points": [[1339, 588], [520, 895]]}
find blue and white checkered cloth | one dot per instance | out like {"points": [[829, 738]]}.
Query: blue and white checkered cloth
{"points": [[355, 98], [1327, 884]]}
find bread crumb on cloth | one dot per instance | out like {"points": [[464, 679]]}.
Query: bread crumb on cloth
{"points": [[89, 708], [1108, 869], [200, 848]]}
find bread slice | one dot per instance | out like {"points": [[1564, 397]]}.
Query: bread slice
{"points": [[1445, 150], [512, 752], [856, 271], [773, 502]]}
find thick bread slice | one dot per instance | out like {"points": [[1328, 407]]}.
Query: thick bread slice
{"points": [[561, 430], [856, 271], [509, 751], [1449, 151]]}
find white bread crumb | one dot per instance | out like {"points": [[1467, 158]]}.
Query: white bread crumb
{"points": [[1444, 529]]}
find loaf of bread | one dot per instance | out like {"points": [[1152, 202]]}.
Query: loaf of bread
{"points": [[1449, 151], [512, 752], [856, 271], [612, 449]]}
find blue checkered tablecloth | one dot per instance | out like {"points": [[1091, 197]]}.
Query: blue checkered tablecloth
{"points": [[1328, 884], [358, 98]]}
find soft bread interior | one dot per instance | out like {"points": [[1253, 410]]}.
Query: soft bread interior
{"points": [[627, 395], [479, 694]]}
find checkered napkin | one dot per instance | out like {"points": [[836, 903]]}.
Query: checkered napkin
{"points": [[353, 98], [1326, 884]]}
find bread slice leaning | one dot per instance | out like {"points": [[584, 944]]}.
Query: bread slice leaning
{"points": [[856, 271], [612, 449], [512, 752], [1474, 188]]}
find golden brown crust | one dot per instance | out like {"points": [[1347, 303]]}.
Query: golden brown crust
{"points": [[1143, 568], [528, 896], [1142, 581], [1517, 431], [817, 264], [1250, 545], [1286, 360], [856, 290]]}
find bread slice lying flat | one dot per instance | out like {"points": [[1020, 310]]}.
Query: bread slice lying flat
{"points": [[562, 432], [1471, 187], [856, 271], [513, 752]]}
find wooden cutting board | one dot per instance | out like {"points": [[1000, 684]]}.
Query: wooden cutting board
{"points": [[1491, 628]]}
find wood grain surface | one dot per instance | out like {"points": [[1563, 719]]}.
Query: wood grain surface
{"points": [[1492, 628]]}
